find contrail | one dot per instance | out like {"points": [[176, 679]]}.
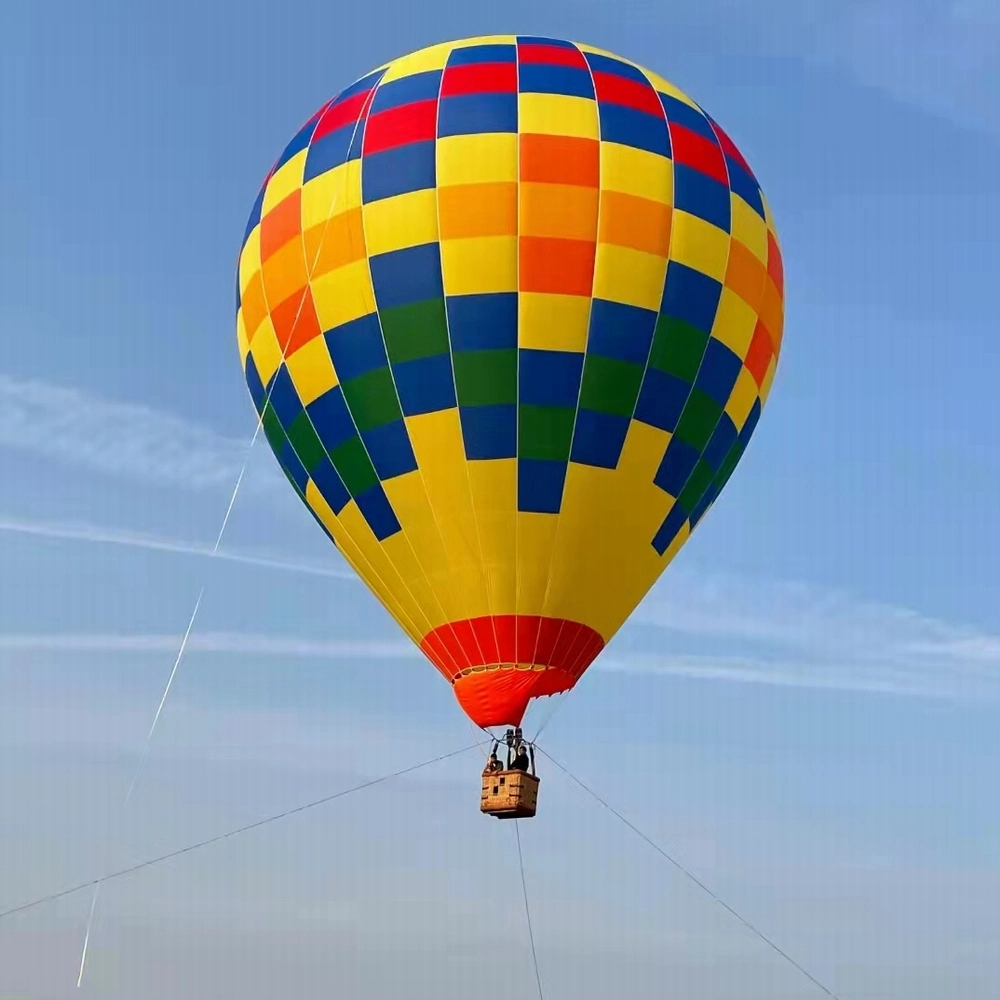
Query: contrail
{"points": [[86, 937], [166, 691], [244, 644], [194, 614]]}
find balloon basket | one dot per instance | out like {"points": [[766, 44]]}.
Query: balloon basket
{"points": [[509, 795]]}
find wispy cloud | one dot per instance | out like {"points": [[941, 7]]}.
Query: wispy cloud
{"points": [[238, 643], [950, 682], [793, 614], [693, 624], [795, 634], [804, 638], [939, 55], [942, 56], [122, 439], [337, 569]]}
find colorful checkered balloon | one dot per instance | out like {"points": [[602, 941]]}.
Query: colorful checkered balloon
{"points": [[509, 309]]}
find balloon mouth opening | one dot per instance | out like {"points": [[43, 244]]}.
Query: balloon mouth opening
{"points": [[498, 695], [498, 663]]}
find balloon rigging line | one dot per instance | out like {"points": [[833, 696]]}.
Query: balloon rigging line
{"points": [[170, 680], [194, 613], [557, 702], [163, 697], [86, 937], [527, 910], [231, 833], [693, 878]]}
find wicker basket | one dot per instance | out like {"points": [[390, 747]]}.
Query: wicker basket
{"points": [[509, 794]]}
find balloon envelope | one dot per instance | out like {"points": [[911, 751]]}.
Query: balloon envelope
{"points": [[509, 309]]}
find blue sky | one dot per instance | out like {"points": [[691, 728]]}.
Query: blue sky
{"points": [[805, 709]]}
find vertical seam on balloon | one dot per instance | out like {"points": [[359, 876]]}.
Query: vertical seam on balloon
{"points": [[666, 264], [729, 249], [673, 231], [583, 364], [420, 473], [262, 194], [458, 410], [308, 289], [362, 560], [298, 313], [517, 374], [451, 360], [420, 565], [763, 288], [363, 118]]}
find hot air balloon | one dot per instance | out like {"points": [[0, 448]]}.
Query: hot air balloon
{"points": [[509, 309]]}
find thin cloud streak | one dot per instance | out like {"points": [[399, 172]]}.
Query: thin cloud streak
{"points": [[888, 679], [786, 634], [794, 614], [946, 680], [158, 543], [708, 605], [812, 623], [795, 635], [237, 643]]}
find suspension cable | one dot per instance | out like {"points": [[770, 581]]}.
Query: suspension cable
{"points": [[527, 910], [231, 833], [693, 878]]}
